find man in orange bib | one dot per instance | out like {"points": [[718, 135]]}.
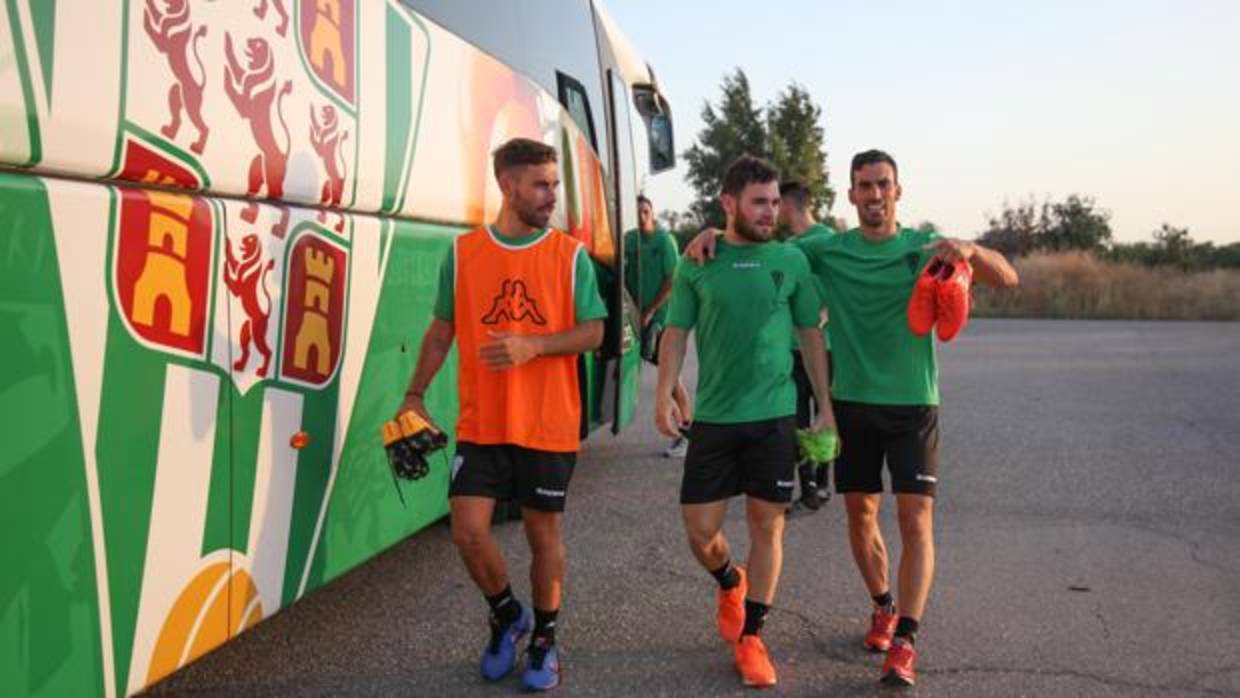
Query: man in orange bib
{"points": [[521, 301]]}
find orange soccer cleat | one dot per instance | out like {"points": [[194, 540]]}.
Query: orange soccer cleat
{"points": [[898, 667], [753, 663], [882, 628], [953, 299], [731, 613], [922, 303]]}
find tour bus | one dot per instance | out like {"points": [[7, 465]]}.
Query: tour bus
{"points": [[220, 230]]}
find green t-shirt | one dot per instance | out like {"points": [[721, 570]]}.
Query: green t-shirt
{"points": [[815, 230], [742, 307], [656, 258], [866, 287], [587, 303]]}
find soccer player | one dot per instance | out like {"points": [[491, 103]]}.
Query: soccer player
{"points": [[521, 301], [796, 214], [742, 308], [650, 257]]}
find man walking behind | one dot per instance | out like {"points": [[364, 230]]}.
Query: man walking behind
{"points": [[796, 214], [650, 257]]}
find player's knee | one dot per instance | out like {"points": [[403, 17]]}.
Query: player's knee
{"points": [[546, 548], [863, 518], [766, 527], [546, 543], [543, 533], [702, 539], [469, 539], [916, 522]]}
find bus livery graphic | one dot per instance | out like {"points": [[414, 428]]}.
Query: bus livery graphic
{"points": [[239, 245]]}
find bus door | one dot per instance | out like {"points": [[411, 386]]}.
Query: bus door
{"points": [[627, 364]]}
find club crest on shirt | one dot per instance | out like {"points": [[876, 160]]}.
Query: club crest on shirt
{"points": [[913, 260], [777, 277]]}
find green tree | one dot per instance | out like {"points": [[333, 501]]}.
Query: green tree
{"points": [[787, 132], [733, 128], [1016, 230], [1174, 245], [1133, 253], [797, 146], [1226, 256], [1077, 224], [670, 220], [682, 226]]}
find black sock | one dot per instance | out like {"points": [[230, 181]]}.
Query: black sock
{"points": [[809, 477], [755, 617], [907, 628], [727, 576], [884, 601], [505, 607], [544, 625]]}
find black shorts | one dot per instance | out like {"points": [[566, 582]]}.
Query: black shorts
{"points": [[536, 479], [906, 436], [807, 406], [753, 458]]}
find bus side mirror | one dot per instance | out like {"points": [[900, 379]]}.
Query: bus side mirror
{"points": [[662, 152], [658, 117]]}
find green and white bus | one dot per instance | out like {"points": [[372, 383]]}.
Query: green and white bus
{"points": [[220, 229]]}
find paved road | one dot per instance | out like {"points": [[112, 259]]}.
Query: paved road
{"points": [[1089, 545]]}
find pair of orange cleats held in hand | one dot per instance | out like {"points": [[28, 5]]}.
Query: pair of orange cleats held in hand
{"points": [[941, 295]]}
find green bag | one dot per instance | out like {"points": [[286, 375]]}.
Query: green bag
{"points": [[818, 447]]}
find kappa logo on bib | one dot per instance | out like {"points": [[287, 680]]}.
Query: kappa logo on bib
{"points": [[513, 304]]}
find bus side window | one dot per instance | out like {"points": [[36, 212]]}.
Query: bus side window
{"points": [[490, 30], [541, 40], [573, 97]]}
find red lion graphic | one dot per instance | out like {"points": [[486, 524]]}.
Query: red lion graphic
{"points": [[244, 279], [170, 32], [328, 141], [261, 12], [252, 89]]}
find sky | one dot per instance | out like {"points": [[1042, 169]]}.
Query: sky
{"points": [[982, 103]]}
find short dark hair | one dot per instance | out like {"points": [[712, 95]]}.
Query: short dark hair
{"points": [[746, 170], [871, 157], [641, 199], [521, 151], [796, 192]]}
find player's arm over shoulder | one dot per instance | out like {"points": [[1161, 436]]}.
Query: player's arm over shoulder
{"points": [[806, 301], [797, 260]]}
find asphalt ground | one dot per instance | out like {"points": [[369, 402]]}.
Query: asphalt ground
{"points": [[1088, 532]]}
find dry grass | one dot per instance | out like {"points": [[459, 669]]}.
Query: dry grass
{"points": [[1076, 285]]}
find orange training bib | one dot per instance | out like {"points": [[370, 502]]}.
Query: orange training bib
{"points": [[526, 290]]}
